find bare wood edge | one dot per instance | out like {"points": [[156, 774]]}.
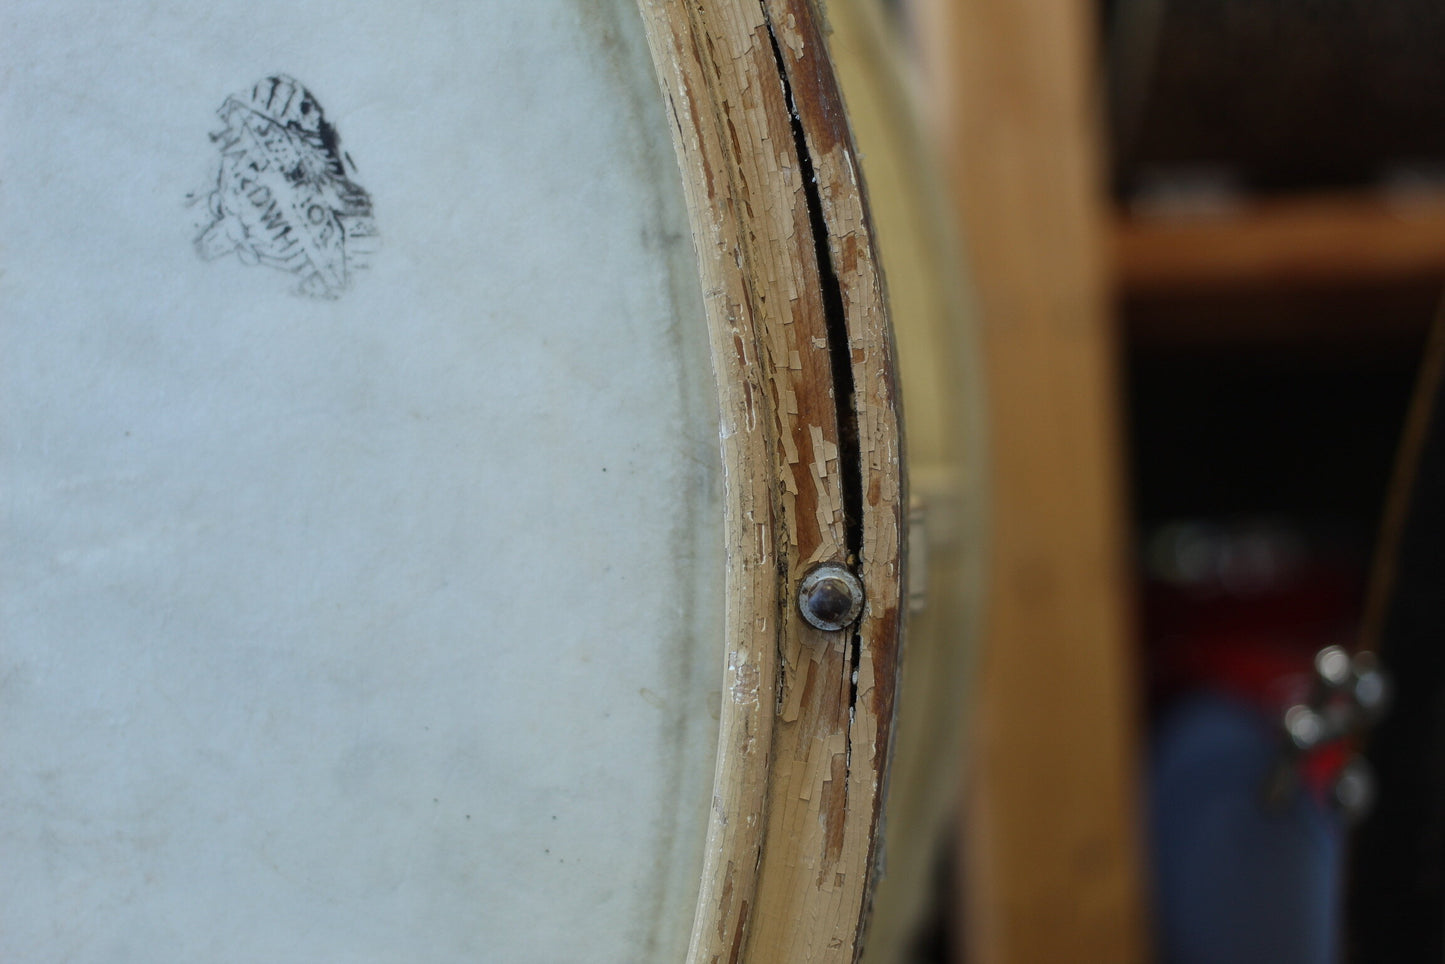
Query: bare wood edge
{"points": [[812, 456], [797, 29]]}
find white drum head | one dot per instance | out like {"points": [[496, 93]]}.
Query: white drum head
{"points": [[360, 602]]}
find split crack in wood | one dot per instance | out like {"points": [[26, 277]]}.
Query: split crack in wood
{"points": [[844, 390]]}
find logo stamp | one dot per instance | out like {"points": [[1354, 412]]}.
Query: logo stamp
{"points": [[283, 196]]}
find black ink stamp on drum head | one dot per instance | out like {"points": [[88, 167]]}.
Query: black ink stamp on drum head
{"points": [[283, 196]]}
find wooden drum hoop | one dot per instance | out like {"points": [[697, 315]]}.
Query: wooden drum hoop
{"points": [[812, 453]]}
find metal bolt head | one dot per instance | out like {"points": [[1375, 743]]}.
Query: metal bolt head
{"points": [[1372, 686], [830, 597], [1372, 692], [1332, 664], [1355, 790], [1305, 727]]}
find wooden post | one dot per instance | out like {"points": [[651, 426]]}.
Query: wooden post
{"points": [[1051, 834]]}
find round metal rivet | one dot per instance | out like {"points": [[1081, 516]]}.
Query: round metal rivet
{"points": [[830, 597], [1355, 790], [1333, 665], [1305, 727], [1372, 692]]}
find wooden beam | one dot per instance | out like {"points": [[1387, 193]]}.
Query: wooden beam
{"points": [[1051, 840], [1349, 238]]}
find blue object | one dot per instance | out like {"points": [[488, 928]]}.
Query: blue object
{"points": [[1234, 884]]}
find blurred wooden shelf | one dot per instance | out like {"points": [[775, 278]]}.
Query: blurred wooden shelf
{"points": [[1362, 320], [1310, 240]]}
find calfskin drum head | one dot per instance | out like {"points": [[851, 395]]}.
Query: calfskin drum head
{"points": [[362, 499]]}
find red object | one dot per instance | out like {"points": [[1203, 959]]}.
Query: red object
{"points": [[1254, 642]]}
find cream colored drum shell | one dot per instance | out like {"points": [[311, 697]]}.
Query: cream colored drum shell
{"points": [[939, 361]]}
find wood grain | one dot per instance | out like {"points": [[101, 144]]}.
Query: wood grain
{"points": [[1052, 856], [812, 443]]}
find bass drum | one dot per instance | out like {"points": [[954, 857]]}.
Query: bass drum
{"points": [[452, 494]]}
